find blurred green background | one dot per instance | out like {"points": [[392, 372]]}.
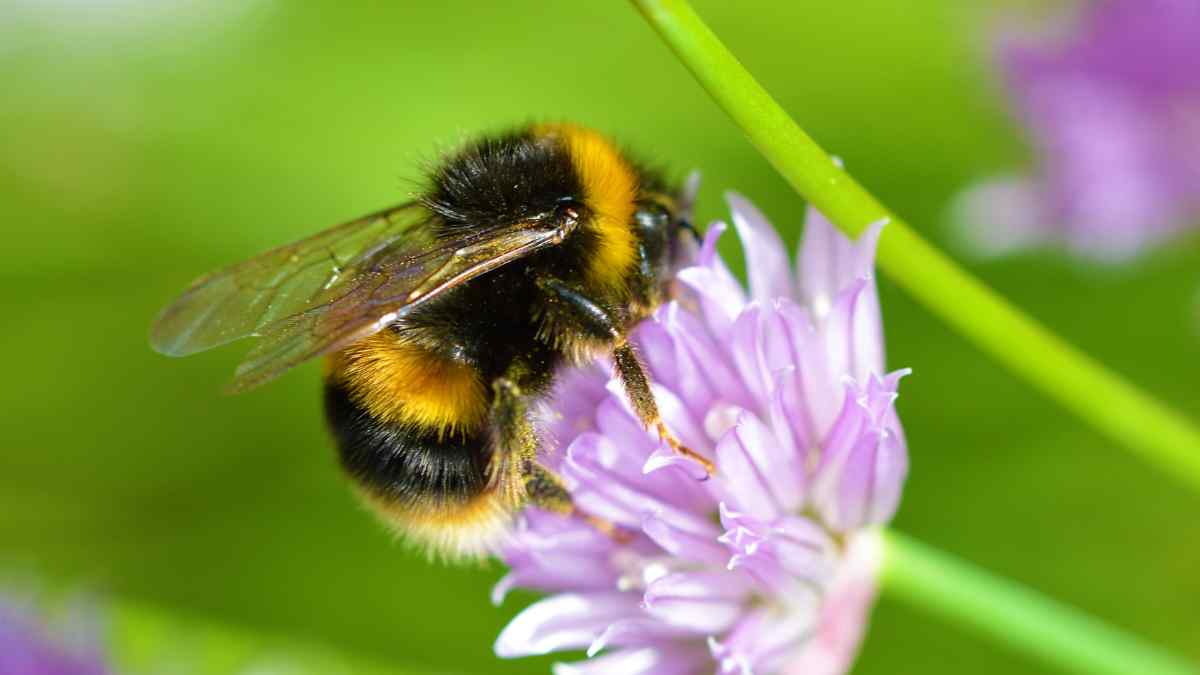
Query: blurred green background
{"points": [[144, 143]]}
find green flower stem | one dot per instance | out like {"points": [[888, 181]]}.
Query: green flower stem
{"points": [[1062, 637], [1154, 431]]}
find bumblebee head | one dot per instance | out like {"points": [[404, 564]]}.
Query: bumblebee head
{"points": [[666, 241], [657, 226]]}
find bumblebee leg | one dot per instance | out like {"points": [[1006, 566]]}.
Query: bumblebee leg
{"points": [[546, 489], [516, 442], [598, 322], [517, 470], [637, 387]]}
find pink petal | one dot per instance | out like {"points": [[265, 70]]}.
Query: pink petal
{"points": [[864, 463], [636, 632], [664, 457], [553, 552], [632, 449], [563, 621], [790, 428], [645, 453], [678, 418], [746, 538], [866, 334], [844, 614], [711, 357], [853, 332], [829, 262], [818, 393], [601, 492], [701, 602], [708, 256], [1001, 215], [659, 660], [657, 349], [720, 298], [777, 342], [756, 472], [819, 263], [778, 553], [804, 550], [745, 340], [849, 426], [687, 545], [890, 471], [571, 407], [764, 640], [615, 421], [766, 259]]}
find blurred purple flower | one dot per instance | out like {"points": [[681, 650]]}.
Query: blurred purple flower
{"points": [[1113, 111], [26, 648], [770, 566]]}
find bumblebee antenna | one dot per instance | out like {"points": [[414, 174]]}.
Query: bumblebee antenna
{"points": [[685, 224]]}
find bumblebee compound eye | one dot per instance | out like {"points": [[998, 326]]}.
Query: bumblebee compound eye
{"points": [[652, 217], [652, 222]]}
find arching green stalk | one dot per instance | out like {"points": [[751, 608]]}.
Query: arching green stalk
{"points": [[998, 608], [1104, 399]]}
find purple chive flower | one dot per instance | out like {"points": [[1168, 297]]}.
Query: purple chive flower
{"points": [[770, 565], [26, 648], [1112, 108]]}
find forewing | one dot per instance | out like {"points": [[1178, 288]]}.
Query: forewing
{"points": [[384, 287], [388, 286], [289, 281]]}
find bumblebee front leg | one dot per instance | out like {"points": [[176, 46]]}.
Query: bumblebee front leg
{"points": [[599, 323]]}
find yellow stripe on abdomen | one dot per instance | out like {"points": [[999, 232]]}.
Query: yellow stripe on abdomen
{"points": [[402, 383], [466, 531]]}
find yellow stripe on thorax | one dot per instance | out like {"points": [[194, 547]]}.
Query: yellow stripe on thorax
{"points": [[610, 189], [402, 383]]}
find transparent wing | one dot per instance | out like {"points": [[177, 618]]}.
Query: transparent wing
{"points": [[241, 300], [323, 293]]}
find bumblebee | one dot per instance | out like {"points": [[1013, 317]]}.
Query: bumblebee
{"points": [[445, 318]]}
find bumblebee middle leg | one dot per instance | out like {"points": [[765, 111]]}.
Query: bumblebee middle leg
{"points": [[545, 489], [516, 465], [515, 443], [599, 323], [516, 468]]}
